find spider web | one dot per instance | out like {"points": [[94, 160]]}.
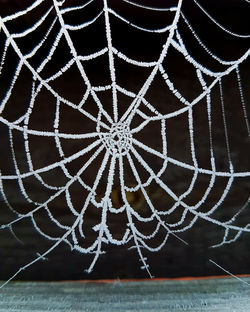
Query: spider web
{"points": [[110, 146]]}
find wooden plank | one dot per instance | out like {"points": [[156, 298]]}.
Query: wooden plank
{"points": [[217, 295]]}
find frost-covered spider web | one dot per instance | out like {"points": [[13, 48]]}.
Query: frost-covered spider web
{"points": [[85, 138]]}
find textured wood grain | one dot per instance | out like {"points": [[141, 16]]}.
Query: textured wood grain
{"points": [[217, 295]]}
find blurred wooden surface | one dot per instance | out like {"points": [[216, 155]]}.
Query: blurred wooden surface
{"points": [[217, 295]]}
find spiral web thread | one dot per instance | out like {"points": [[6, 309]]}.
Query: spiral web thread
{"points": [[114, 137]]}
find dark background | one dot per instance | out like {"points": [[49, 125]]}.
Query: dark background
{"points": [[175, 259]]}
